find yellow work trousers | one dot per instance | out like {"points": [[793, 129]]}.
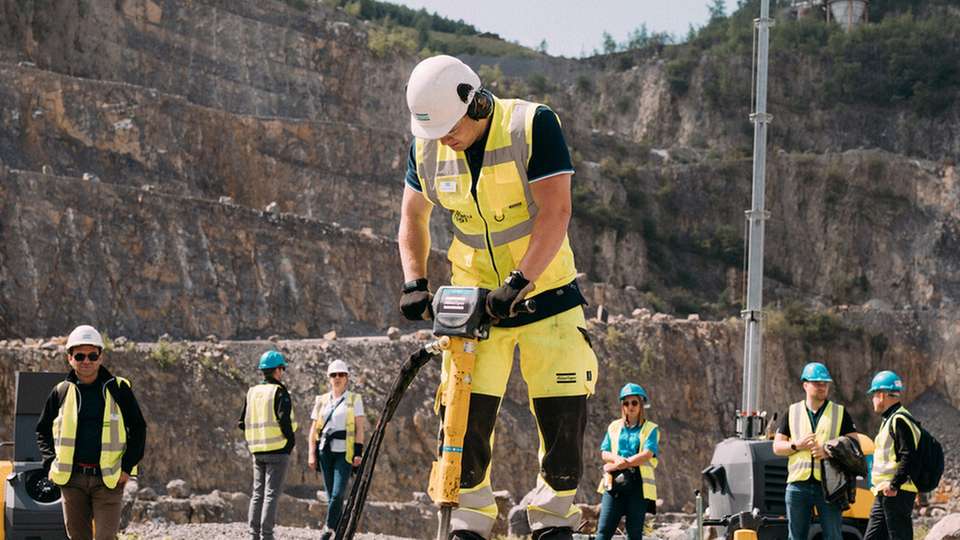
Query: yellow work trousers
{"points": [[560, 371]]}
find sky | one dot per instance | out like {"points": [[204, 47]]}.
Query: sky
{"points": [[572, 28]]}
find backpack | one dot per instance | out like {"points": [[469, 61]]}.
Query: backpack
{"points": [[926, 467]]}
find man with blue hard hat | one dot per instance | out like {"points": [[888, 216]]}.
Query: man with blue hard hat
{"points": [[801, 436], [268, 425], [896, 445]]}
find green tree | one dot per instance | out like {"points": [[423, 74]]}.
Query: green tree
{"points": [[717, 9], [609, 44], [542, 47]]}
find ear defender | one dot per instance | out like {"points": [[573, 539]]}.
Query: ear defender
{"points": [[482, 104]]}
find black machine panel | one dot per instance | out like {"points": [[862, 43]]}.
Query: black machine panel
{"points": [[32, 392]]}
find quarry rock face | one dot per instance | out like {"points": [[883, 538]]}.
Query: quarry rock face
{"points": [[142, 264]]}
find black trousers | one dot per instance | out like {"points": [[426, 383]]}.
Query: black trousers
{"points": [[891, 517]]}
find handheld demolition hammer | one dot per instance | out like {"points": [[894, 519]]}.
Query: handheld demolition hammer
{"points": [[460, 321]]}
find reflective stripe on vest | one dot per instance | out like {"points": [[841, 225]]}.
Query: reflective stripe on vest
{"points": [[261, 425], [491, 231], [801, 463], [885, 456], [351, 422], [113, 436], [646, 469]]}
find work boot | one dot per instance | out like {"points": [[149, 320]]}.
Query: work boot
{"points": [[464, 535], [553, 533]]}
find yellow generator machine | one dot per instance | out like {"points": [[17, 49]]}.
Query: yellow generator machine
{"points": [[31, 502]]}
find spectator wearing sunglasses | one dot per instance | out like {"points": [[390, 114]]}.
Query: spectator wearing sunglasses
{"points": [[336, 440], [91, 437], [629, 452]]}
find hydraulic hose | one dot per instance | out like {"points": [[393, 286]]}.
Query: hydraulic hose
{"points": [[358, 493]]}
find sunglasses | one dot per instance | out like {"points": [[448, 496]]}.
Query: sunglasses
{"points": [[80, 357], [631, 403], [335, 375]]}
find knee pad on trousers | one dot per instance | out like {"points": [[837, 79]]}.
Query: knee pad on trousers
{"points": [[476, 443], [561, 421]]}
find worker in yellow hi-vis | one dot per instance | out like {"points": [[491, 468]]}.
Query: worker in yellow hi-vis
{"points": [[268, 425], [502, 169], [91, 436]]}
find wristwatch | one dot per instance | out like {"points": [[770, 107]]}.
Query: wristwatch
{"points": [[415, 285], [793, 447]]}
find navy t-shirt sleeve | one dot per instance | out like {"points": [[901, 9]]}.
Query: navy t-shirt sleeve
{"points": [[549, 155], [412, 180], [784, 428], [846, 423]]}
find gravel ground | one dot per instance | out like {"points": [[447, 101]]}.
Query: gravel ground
{"points": [[223, 531]]}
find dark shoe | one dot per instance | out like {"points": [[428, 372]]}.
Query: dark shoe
{"points": [[464, 535], [553, 533], [326, 535]]}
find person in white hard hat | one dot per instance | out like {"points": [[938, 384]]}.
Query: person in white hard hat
{"points": [[336, 440], [91, 436], [502, 169]]}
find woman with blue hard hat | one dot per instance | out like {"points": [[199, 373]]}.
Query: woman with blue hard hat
{"points": [[629, 451], [336, 440]]}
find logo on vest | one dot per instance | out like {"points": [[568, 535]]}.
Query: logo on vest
{"points": [[448, 186], [460, 217]]}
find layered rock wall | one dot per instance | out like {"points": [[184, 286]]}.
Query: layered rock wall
{"points": [[142, 264]]}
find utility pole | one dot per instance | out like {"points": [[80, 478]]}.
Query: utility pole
{"points": [[750, 421]]}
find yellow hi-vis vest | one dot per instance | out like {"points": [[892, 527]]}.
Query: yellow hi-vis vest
{"points": [[491, 231], [646, 469], [351, 421], [113, 436], [885, 457], [261, 426], [801, 463]]}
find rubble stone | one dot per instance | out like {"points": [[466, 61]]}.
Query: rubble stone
{"points": [[178, 489]]}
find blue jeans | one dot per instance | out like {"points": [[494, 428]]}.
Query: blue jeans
{"points": [[336, 476], [801, 498], [614, 507]]}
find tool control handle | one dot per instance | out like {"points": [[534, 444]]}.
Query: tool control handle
{"points": [[527, 306]]}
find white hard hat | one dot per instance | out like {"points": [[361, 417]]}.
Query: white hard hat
{"points": [[338, 366], [84, 335], [435, 105]]}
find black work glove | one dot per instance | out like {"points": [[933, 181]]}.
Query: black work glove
{"points": [[416, 302], [502, 302]]}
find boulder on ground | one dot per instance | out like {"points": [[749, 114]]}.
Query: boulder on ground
{"points": [[178, 489], [947, 528]]}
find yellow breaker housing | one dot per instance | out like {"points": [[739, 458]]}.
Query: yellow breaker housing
{"points": [[491, 230], [113, 438]]}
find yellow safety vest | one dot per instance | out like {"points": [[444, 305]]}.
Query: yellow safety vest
{"points": [[646, 469], [113, 436], [261, 426], [351, 421], [491, 231], [885, 457], [801, 463]]}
